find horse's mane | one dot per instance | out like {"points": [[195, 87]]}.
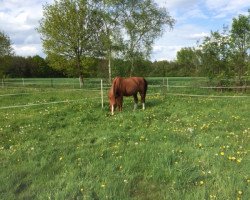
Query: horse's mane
{"points": [[116, 85]]}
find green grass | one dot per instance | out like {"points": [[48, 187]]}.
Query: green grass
{"points": [[178, 148]]}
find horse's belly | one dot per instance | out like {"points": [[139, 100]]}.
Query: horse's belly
{"points": [[130, 92]]}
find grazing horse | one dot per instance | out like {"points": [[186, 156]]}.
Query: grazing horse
{"points": [[127, 87]]}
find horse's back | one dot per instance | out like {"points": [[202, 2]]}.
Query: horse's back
{"points": [[133, 85]]}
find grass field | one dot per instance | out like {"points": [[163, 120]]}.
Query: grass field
{"points": [[180, 147]]}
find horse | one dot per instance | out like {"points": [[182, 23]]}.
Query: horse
{"points": [[127, 87]]}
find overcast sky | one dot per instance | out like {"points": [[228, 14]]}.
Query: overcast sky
{"points": [[194, 20]]}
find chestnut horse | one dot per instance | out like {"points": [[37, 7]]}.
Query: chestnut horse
{"points": [[127, 87]]}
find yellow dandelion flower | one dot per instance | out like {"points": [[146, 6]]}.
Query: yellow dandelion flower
{"points": [[222, 153], [103, 185], [212, 196], [239, 160], [240, 192], [201, 182], [232, 158]]}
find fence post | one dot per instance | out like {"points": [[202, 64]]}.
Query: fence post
{"points": [[102, 92], [167, 85], [51, 82], [2, 83], [23, 81], [163, 87]]}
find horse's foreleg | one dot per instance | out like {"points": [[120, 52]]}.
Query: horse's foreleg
{"points": [[135, 101], [119, 103], [143, 106], [112, 110]]}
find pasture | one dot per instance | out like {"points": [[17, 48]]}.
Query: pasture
{"points": [[58, 143]]}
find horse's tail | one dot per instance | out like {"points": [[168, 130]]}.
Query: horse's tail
{"points": [[146, 86]]}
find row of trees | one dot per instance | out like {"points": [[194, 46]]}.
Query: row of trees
{"points": [[74, 31], [223, 55], [38, 67]]}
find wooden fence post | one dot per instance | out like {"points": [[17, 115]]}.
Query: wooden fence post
{"points": [[51, 82], [167, 85], [102, 93]]}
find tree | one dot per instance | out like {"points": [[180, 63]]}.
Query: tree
{"points": [[6, 51], [70, 33], [187, 57], [143, 22], [5, 45], [240, 35], [216, 54], [110, 35]]}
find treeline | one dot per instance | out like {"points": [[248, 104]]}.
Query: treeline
{"points": [[189, 62], [12, 66], [38, 67]]}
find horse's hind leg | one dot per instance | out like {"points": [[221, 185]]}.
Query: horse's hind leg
{"points": [[136, 101], [143, 95]]}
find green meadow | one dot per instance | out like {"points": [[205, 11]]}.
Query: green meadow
{"points": [[180, 147]]}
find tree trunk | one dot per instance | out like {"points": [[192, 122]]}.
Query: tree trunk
{"points": [[109, 65], [80, 72], [81, 80], [132, 67]]}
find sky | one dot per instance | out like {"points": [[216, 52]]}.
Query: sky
{"points": [[195, 19]]}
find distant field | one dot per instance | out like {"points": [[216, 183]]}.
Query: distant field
{"points": [[58, 143]]}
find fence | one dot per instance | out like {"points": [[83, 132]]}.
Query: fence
{"points": [[93, 82], [192, 87], [71, 83], [163, 85]]}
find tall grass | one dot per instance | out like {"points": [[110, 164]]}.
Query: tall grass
{"points": [[178, 148]]}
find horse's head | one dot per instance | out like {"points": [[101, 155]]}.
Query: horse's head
{"points": [[112, 101]]}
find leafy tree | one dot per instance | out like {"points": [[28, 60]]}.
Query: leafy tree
{"points": [[159, 68], [187, 57], [111, 38], [216, 54], [5, 45], [240, 35], [70, 33], [5, 52], [143, 22]]}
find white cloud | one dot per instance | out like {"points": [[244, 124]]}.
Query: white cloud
{"points": [[19, 19], [197, 36], [174, 4], [165, 52], [222, 8], [27, 50]]}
